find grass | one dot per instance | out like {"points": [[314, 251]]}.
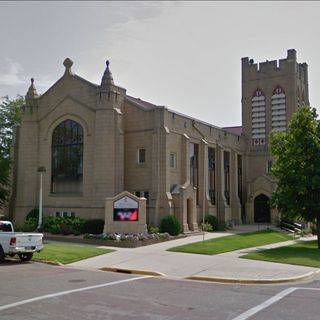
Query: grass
{"points": [[68, 253], [303, 254], [232, 243]]}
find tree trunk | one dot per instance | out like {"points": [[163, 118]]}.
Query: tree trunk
{"points": [[318, 229]]}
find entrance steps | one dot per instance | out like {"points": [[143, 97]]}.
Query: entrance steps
{"points": [[193, 233]]}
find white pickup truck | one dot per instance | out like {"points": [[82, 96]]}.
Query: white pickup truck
{"points": [[18, 243]]}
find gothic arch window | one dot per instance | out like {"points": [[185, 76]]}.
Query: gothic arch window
{"points": [[258, 112], [67, 158], [278, 109]]}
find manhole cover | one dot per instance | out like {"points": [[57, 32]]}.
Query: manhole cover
{"points": [[76, 280]]}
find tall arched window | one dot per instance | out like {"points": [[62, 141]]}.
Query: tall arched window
{"points": [[258, 103], [278, 107], [67, 158]]}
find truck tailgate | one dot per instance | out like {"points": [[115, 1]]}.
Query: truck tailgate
{"points": [[28, 239]]}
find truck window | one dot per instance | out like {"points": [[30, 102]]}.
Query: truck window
{"points": [[5, 227]]}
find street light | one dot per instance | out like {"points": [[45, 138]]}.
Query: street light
{"points": [[41, 170]]}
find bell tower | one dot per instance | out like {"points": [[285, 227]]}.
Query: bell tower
{"points": [[271, 92]]}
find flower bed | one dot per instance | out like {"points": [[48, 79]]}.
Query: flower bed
{"points": [[115, 239]]}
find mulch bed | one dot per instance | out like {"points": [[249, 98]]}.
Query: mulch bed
{"points": [[108, 243]]}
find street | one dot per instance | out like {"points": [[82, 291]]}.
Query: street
{"points": [[39, 291]]}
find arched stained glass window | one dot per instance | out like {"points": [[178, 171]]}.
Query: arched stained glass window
{"points": [[278, 107], [258, 104], [67, 158]]}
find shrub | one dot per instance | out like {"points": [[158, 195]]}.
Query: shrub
{"points": [[170, 224], [313, 228], [55, 229], [222, 226], [206, 227], [33, 214], [94, 226], [153, 229], [64, 226], [28, 226], [213, 221]]}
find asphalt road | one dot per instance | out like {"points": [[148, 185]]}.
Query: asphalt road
{"points": [[38, 291]]}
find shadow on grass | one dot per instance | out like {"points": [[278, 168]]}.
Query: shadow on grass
{"points": [[303, 253]]}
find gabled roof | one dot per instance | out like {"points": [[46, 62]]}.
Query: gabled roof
{"points": [[235, 130], [142, 103], [145, 105]]}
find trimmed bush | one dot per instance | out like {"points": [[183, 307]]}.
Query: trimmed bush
{"points": [[59, 225], [171, 225], [94, 226], [213, 221]]}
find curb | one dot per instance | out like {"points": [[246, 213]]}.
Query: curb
{"points": [[306, 276], [134, 271], [53, 263]]}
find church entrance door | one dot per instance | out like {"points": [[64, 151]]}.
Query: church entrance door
{"points": [[262, 212]]}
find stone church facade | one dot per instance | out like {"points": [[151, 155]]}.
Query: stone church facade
{"points": [[96, 141]]}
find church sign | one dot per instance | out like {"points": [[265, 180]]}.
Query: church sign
{"points": [[125, 209]]}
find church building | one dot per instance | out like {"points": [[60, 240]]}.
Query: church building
{"points": [[95, 141]]}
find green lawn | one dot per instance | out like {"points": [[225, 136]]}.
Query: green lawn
{"points": [[232, 243], [68, 253], [303, 253]]}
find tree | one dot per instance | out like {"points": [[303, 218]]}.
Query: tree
{"points": [[4, 180], [10, 115], [297, 168]]}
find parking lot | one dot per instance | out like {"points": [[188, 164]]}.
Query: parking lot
{"points": [[40, 291]]}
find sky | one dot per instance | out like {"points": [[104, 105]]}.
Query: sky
{"points": [[183, 55]]}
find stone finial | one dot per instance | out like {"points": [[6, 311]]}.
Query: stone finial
{"points": [[107, 78], [68, 64], [32, 92]]}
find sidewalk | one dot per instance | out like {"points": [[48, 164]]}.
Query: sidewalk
{"points": [[182, 265]]}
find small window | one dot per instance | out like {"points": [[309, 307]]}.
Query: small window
{"points": [[58, 214], [173, 160], [142, 194], [141, 155], [137, 193], [269, 166]]}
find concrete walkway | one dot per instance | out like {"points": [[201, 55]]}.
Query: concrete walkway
{"points": [[226, 265]]}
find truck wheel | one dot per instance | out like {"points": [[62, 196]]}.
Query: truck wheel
{"points": [[27, 256], [1, 254]]}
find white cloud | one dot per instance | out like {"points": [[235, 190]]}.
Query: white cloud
{"points": [[11, 73]]}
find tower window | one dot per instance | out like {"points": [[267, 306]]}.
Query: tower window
{"points": [[258, 113], [278, 107]]}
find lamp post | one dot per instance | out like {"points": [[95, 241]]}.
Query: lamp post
{"points": [[41, 170]]}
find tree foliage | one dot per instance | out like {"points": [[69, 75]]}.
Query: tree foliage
{"points": [[297, 168], [10, 115]]}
